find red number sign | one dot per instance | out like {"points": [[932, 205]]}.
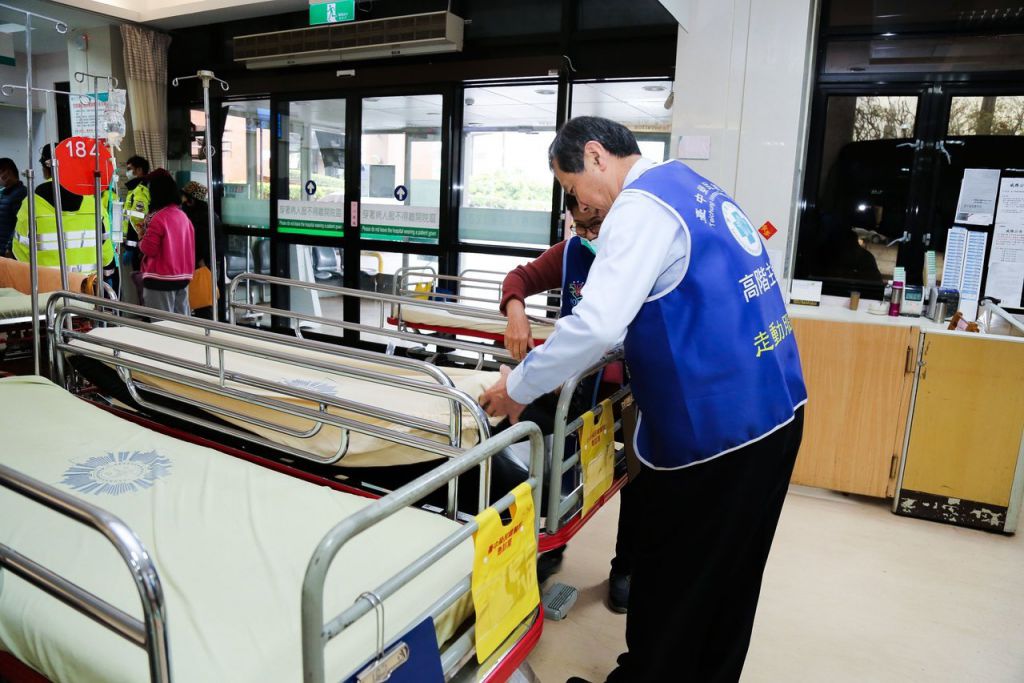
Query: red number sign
{"points": [[77, 159]]}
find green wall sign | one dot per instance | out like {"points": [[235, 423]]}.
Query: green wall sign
{"points": [[332, 12]]}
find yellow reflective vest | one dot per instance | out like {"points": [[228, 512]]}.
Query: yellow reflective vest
{"points": [[79, 235], [136, 206]]}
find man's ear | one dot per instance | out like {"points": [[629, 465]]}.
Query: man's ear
{"points": [[595, 153]]}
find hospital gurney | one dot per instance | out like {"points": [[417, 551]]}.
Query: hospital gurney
{"points": [[217, 549], [16, 303], [465, 304], [564, 458]]}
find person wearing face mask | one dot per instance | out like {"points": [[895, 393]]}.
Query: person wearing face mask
{"points": [[565, 265], [136, 207], [683, 279], [546, 273]]}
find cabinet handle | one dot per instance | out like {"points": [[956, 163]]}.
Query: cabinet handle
{"points": [[909, 367]]}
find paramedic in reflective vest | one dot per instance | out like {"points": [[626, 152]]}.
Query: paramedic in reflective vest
{"points": [[79, 222], [136, 207], [565, 266], [683, 279]]}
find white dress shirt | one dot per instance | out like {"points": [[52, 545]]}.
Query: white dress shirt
{"points": [[642, 249]]}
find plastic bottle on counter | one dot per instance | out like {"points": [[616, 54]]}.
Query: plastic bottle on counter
{"points": [[897, 299]]}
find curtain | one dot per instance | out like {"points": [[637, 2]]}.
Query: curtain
{"points": [[145, 61]]}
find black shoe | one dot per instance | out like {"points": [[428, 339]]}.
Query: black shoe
{"points": [[577, 679], [549, 563], [618, 593]]}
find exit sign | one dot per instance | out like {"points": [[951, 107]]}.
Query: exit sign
{"points": [[331, 12]]}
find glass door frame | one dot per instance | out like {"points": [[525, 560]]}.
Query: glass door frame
{"points": [[352, 243]]}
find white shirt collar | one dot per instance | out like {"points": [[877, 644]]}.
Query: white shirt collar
{"points": [[639, 167]]}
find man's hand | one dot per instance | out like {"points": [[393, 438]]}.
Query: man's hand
{"points": [[518, 333], [496, 402]]}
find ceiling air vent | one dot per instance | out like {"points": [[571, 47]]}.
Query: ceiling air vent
{"points": [[415, 34]]}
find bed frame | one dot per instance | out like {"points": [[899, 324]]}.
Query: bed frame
{"points": [[151, 633], [558, 528]]}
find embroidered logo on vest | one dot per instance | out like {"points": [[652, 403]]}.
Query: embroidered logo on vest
{"points": [[576, 291], [741, 229]]}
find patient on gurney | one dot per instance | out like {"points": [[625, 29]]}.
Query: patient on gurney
{"points": [[17, 275]]}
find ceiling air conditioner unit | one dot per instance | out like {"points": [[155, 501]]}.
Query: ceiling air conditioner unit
{"points": [[414, 34]]}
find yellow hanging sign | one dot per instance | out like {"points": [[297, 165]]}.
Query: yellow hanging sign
{"points": [[504, 582], [597, 454]]}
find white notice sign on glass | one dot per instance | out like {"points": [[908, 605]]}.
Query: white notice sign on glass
{"points": [[977, 204], [1006, 260]]}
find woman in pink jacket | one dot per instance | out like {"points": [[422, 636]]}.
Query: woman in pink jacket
{"points": [[167, 243]]}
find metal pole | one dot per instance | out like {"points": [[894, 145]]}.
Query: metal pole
{"points": [[33, 256], [96, 181], [212, 265], [57, 204], [206, 76]]}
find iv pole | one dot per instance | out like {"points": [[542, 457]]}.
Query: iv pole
{"points": [[206, 77], [6, 90], [30, 174], [80, 77]]}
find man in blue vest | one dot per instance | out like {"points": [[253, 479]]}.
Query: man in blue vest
{"points": [[683, 280]]}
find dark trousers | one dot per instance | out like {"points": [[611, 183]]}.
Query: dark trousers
{"points": [[626, 534], [698, 560]]}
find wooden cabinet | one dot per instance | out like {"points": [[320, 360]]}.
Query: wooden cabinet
{"points": [[966, 433], [859, 381]]}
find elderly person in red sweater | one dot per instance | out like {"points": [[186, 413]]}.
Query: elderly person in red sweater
{"points": [[167, 243], [539, 276]]}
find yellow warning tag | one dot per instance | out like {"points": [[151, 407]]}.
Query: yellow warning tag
{"points": [[597, 454], [504, 582]]}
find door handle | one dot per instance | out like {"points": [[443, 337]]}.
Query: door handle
{"points": [[909, 366]]}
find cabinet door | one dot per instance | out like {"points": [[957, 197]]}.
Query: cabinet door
{"points": [[965, 437], [858, 384]]}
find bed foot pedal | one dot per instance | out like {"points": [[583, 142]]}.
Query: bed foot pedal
{"points": [[558, 600]]}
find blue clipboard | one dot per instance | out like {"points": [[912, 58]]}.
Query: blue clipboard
{"points": [[411, 658]]}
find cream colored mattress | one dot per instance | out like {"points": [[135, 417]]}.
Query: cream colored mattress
{"points": [[363, 450], [15, 306], [422, 315], [231, 541]]}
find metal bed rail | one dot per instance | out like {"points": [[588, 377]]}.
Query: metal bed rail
{"points": [[480, 350], [150, 634], [560, 505], [214, 375], [405, 281], [316, 633]]}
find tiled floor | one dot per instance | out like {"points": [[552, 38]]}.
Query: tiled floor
{"points": [[851, 593]]}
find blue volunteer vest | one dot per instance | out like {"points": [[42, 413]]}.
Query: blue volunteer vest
{"points": [[576, 261], [712, 359]]}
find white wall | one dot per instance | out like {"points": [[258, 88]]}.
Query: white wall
{"points": [[742, 72], [47, 69]]}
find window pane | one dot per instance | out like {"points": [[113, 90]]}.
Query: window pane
{"points": [[400, 177], [315, 154], [494, 267], [991, 115], [506, 197], [197, 134], [863, 191], [245, 150], [377, 270], [880, 118]]}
